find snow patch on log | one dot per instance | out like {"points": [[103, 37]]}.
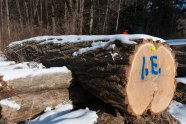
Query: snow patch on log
{"points": [[178, 110], [62, 114], [11, 71], [181, 80], [124, 38], [11, 104], [95, 45], [113, 55]]}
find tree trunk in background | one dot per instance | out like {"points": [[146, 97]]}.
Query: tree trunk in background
{"points": [[53, 18], [118, 16], [46, 9], [91, 16], [35, 4], [41, 13], [81, 16], [69, 7], [8, 18], [20, 15], [27, 15], [1, 44], [105, 21], [1, 12]]}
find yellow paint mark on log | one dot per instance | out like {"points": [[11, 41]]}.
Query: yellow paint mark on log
{"points": [[153, 48], [168, 68]]}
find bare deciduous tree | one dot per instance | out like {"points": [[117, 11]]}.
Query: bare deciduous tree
{"points": [[8, 18], [91, 16]]}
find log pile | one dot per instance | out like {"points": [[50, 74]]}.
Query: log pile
{"points": [[137, 78], [34, 93]]}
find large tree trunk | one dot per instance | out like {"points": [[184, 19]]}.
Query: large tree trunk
{"points": [[134, 78], [122, 79]]}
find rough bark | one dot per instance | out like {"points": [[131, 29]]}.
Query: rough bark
{"points": [[180, 94], [36, 83], [107, 76]]}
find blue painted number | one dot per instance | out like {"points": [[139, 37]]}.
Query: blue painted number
{"points": [[153, 66]]}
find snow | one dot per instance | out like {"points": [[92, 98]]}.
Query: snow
{"points": [[62, 114], [48, 109], [176, 42], [6, 63], [11, 104], [95, 45], [2, 58], [181, 80], [113, 55], [10, 70], [124, 38], [178, 110]]}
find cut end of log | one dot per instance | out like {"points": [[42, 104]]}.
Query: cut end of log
{"points": [[151, 78]]}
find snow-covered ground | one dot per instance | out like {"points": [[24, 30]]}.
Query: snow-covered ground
{"points": [[62, 114], [178, 110], [181, 80]]}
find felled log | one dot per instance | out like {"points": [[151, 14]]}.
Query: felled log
{"points": [[180, 95], [130, 80], [52, 54], [35, 83], [32, 104], [180, 52], [132, 77]]}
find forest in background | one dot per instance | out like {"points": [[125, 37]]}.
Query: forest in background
{"points": [[20, 19]]}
